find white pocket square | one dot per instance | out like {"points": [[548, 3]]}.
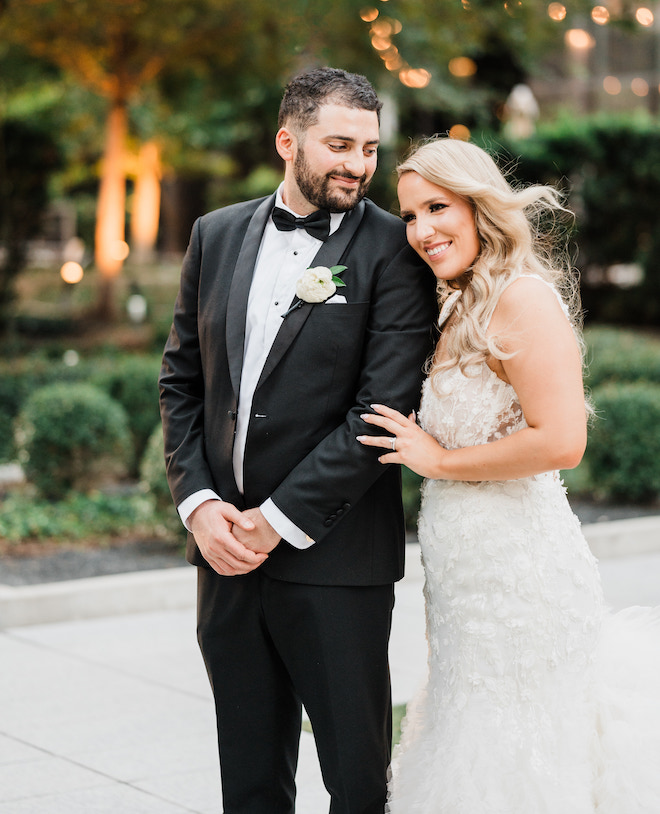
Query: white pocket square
{"points": [[335, 298]]}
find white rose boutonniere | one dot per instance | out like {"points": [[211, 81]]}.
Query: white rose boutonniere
{"points": [[317, 285]]}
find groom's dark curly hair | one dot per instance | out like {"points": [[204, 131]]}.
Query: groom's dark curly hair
{"points": [[306, 92]]}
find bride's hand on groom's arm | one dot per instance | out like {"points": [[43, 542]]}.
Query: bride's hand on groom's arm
{"points": [[414, 448], [216, 526]]}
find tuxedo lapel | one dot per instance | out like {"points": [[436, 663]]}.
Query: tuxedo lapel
{"points": [[240, 290], [328, 255]]}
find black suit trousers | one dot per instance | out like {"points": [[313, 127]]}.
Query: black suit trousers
{"points": [[270, 646]]}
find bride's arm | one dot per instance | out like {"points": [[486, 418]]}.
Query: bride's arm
{"points": [[545, 371]]}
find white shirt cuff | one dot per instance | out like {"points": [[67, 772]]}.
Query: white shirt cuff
{"points": [[284, 527], [188, 506]]}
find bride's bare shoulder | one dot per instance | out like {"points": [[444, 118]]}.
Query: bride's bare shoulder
{"points": [[526, 298]]}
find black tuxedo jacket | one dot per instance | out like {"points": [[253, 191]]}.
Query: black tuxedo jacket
{"points": [[328, 363]]}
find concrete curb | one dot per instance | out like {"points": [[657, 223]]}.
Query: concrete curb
{"points": [[175, 588], [623, 538], [136, 592]]}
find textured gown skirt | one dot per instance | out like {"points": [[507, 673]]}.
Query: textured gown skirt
{"points": [[538, 700]]}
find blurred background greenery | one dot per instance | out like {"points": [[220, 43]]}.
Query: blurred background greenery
{"points": [[122, 122]]}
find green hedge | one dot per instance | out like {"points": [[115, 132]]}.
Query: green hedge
{"points": [[610, 165], [153, 480], [133, 382], [623, 452], [618, 355], [131, 379], [71, 438]]}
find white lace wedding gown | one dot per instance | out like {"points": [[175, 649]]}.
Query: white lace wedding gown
{"points": [[538, 701]]}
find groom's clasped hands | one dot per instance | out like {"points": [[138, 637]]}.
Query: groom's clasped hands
{"points": [[231, 541]]}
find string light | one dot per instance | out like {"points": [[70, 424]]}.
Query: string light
{"points": [[415, 77], [71, 272], [119, 250], [644, 16], [579, 38], [462, 66], [639, 86], [460, 132], [611, 85], [557, 12], [600, 15]]}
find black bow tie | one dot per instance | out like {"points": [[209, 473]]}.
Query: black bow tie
{"points": [[317, 224]]}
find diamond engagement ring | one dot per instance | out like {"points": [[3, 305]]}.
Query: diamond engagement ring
{"points": [[393, 442]]}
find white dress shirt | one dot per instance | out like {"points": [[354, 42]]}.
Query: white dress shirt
{"points": [[283, 257]]}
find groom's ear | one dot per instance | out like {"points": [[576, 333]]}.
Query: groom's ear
{"points": [[285, 144]]}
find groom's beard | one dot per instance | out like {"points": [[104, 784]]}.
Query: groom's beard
{"points": [[318, 191]]}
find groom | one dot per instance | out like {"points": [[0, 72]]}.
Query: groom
{"points": [[297, 529]]}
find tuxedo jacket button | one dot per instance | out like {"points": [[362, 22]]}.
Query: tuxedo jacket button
{"points": [[346, 506]]}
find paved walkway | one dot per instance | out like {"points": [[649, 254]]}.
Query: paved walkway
{"points": [[109, 711]]}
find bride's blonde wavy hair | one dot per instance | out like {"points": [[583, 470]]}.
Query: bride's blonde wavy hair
{"points": [[519, 233]]}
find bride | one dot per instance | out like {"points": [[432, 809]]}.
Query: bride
{"points": [[538, 701]]}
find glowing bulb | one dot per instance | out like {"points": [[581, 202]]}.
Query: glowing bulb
{"points": [[382, 28], [557, 12], [415, 77], [394, 63], [644, 16], [71, 272], [579, 39], [460, 132], [462, 66], [600, 15], [119, 250], [640, 87], [381, 43], [611, 85]]}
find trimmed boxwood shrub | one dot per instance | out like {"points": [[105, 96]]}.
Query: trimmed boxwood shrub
{"points": [[623, 452], [153, 480], [618, 355], [599, 160], [152, 469], [71, 437], [133, 382]]}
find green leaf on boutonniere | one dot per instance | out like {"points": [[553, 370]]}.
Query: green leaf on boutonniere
{"points": [[336, 270]]}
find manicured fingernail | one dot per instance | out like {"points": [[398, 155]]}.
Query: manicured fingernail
{"points": [[359, 437], [364, 416]]}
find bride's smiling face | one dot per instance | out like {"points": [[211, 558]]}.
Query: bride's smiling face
{"points": [[439, 226]]}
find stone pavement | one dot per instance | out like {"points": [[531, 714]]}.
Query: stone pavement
{"points": [[105, 706]]}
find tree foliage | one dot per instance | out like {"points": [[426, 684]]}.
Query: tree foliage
{"points": [[27, 158], [205, 76]]}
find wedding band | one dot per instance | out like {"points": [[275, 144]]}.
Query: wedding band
{"points": [[393, 442]]}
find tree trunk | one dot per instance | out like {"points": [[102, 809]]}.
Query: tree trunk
{"points": [[146, 205], [110, 212]]}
